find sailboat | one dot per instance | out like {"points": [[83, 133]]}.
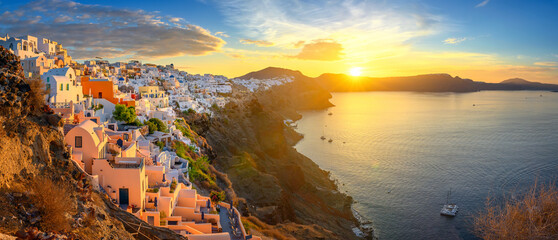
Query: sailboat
{"points": [[322, 137], [449, 209]]}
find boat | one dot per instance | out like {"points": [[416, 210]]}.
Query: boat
{"points": [[449, 209], [330, 140], [323, 138], [330, 114]]}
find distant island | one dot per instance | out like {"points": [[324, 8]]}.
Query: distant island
{"points": [[420, 83]]}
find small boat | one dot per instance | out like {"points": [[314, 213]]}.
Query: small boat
{"points": [[330, 114], [323, 138], [449, 209], [330, 140]]}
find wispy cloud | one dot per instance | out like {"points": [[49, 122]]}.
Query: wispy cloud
{"points": [[94, 30], [261, 43], [222, 34], [366, 29], [454, 40], [547, 64], [483, 3]]}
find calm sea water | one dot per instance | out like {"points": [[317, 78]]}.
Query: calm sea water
{"points": [[398, 153]]}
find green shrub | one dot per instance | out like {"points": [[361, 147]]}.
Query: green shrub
{"points": [[173, 185], [157, 125], [160, 144], [217, 197], [125, 114]]}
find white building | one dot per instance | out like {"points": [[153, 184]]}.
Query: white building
{"points": [[62, 86]]}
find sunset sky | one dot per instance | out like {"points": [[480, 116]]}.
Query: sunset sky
{"points": [[485, 40]]}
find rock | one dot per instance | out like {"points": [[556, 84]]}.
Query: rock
{"points": [[54, 120], [35, 220], [22, 234]]}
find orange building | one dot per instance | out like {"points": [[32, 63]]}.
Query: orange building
{"points": [[104, 88]]}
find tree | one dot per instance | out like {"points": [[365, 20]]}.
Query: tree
{"points": [[160, 125], [152, 126], [125, 114]]}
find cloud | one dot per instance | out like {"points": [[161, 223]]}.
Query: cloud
{"points": [[454, 40], [222, 34], [93, 30], [547, 64], [322, 50], [365, 29], [261, 43], [298, 44], [483, 3], [176, 19]]}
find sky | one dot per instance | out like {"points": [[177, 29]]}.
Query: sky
{"points": [[484, 40]]}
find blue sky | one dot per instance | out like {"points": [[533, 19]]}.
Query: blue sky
{"points": [[486, 40]]}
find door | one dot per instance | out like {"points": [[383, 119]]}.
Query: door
{"points": [[100, 94], [123, 195], [151, 220]]}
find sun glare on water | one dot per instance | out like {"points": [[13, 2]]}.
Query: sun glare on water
{"points": [[355, 72]]}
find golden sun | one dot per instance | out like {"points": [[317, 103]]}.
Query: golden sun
{"points": [[355, 71]]}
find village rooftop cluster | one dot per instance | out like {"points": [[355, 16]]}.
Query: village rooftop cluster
{"points": [[132, 164]]}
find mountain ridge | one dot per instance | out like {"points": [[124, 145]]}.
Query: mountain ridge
{"points": [[437, 82]]}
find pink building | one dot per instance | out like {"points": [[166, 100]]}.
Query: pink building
{"points": [[151, 192]]}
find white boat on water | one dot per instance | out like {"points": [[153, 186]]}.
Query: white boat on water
{"points": [[449, 209]]}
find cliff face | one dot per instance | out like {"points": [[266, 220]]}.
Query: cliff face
{"points": [[283, 188], [42, 192]]}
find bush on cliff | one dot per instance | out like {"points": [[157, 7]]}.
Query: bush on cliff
{"points": [[52, 201], [532, 216]]}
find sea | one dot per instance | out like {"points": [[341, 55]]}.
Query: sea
{"points": [[398, 154]]}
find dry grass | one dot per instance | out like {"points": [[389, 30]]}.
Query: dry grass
{"points": [[37, 94], [532, 216], [53, 201]]}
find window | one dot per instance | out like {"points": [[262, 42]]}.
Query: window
{"points": [[70, 76], [48, 79], [48, 87], [78, 142], [67, 86], [61, 86]]}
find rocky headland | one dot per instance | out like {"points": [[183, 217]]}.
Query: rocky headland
{"points": [[281, 193]]}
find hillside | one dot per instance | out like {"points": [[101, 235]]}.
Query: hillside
{"points": [[43, 194], [285, 194], [420, 83], [272, 72]]}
